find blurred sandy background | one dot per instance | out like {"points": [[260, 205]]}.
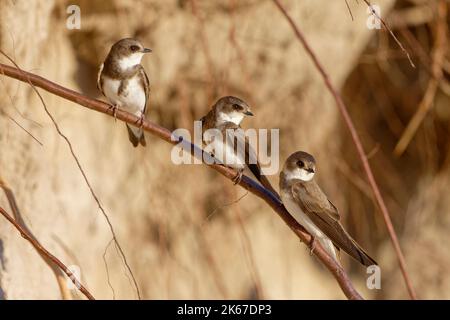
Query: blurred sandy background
{"points": [[181, 229]]}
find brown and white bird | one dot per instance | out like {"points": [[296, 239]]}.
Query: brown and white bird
{"points": [[226, 116], [306, 202], [123, 81]]}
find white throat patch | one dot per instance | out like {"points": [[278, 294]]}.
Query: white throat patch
{"points": [[130, 61], [235, 117], [300, 174]]}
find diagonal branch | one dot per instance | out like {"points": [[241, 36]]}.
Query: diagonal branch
{"points": [[42, 251], [357, 141], [163, 133], [65, 292]]}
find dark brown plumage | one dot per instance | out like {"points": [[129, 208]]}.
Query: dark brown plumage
{"points": [[313, 203]]}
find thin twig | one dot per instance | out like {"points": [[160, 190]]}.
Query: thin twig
{"points": [[16, 122], [108, 279], [391, 33], [163, 133], [210, 215], [94, 195], [348, 121], [24, 233], [21, 127]]}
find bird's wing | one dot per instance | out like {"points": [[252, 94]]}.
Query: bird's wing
{"points": [[146, 85], [99, 80], [312, 199], [251, 159], [315, 204]]}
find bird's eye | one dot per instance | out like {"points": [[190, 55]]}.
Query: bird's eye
{"points": [[300, 164], [237, 107], [134, 48]]}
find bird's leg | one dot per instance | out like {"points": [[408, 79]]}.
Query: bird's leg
{"points": [[140, 121], [238, 176], [114, 108], [312, 244]]}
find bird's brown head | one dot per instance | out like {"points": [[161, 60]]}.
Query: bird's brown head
{"points": [[128, 52], [300, 165], [231, 109]]}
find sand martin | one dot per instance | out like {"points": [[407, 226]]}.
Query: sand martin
{"points": [[124, 82], [226, 116], [306, 202]]}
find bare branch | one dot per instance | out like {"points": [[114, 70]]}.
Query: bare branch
{"points": [[163, 133]]}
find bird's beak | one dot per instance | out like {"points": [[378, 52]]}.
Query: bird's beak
{"points": [[146, 50], [248, 113]]}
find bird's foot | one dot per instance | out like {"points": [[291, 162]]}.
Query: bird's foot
{"points": [[114, 109], [238, 177], [312, 245]]}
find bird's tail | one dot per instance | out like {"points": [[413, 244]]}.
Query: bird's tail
{"points": [[361, 255], [346, 243], [136, 136], [355, 251]]}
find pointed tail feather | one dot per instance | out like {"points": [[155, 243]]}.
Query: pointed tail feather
{"points": [[136, 136], [142, 140], [362, 256], [346, 243], [355, 251]]}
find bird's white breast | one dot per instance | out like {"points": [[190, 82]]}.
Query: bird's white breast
{"points": [[131, 98], [297, 213]]}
